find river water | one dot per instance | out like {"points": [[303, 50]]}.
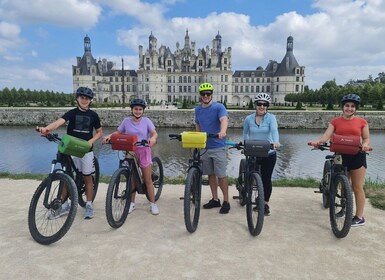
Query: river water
{"points": [[24, 151]]}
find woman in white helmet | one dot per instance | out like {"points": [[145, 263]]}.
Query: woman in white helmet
{"points": [[263, 125]]}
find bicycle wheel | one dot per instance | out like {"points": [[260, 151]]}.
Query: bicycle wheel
{"points": [[241, 183], [157, 177], [192, 199], [45, 225], [341, 206], [82, 187], [118, 197], [255, 205], [325, 184]]}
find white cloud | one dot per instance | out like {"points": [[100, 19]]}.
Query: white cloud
{"points": [[68, 13]]}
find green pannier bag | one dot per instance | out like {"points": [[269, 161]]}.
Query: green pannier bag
{"points": [[73, 146]]}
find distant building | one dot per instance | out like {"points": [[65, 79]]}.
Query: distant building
{"points": [[165, 76]]}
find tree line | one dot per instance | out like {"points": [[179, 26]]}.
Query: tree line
{"points": [[372, 93]]}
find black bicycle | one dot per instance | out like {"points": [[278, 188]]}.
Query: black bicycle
{"points": [[337, 194], [118, 198], [249, 182], [193, 185], [45, 224]]}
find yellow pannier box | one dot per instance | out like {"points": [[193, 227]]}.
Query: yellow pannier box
{"points": [[193, 139], [73, 146]]}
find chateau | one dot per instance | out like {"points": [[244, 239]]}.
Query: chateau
{"points": [[166, 76]]}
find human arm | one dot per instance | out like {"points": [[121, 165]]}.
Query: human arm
{"points": [[274, 132], [153, 138], [325, 137], [246, 128], [51, 126], [98, 134], [224, 124], [197, 127], [365, 138], [107, 138]]}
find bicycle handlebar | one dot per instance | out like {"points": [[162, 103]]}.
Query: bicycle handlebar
{"points": [[179, 136], [52, 137], [326, 146], [241, 145]]}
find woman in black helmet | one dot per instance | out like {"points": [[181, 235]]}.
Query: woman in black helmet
{"points": [[350, 125], [145, 130]]}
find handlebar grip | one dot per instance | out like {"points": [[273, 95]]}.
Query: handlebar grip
{"points": [[212, 135], [173, 135], [230, 143]]}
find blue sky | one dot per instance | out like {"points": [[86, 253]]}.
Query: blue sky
{"points": [[333, 39]]}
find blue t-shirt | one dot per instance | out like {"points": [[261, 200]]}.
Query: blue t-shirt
{"points": [[208, 120]]}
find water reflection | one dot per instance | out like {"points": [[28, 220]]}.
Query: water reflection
{"points": [[24, 151]]}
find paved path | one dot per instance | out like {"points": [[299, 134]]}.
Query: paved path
{"points": [[296, 242]]}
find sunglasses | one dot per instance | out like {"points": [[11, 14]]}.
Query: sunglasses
{"points": [[206, 93], [262, 104]]}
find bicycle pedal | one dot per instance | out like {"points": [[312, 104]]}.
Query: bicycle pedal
{"points": [[181, 198], [317, 191], [236, 197]]}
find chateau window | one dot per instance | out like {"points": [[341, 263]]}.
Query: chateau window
{"points": [[296, 88], [147, 60], [226, 88], [169, 70], [116, 79], [189, 88], [297, 79], [236, 88], [169, 88], [277, 79], [226, 78], [225, 60], [268, 88], [221, 78], [246, 88], [117, 88], [189, 79], [236, 80], [268, 80], [247, 80], [180, 79], [241, 88], [297, 71], [180, 88], [277, 88], [147, 88], [200, 62], [184, 89], [258, 80], [168, 62], [252, 89], [185, 79], [257, 89], [225, 68]]}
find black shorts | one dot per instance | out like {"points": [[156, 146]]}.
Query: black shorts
{"points": [[353, 162]]}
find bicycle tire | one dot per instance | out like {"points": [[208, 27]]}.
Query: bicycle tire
{"points": [[82, 187], [241, 182], [325, 184], [341, 206], [118, 197], [44, 230], [157, 176], [255, 205], [192, 199]]}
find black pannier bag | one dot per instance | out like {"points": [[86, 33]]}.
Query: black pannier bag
{"points": [[257, 148]]}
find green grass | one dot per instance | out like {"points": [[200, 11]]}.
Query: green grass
{"points": [[375, 191]]}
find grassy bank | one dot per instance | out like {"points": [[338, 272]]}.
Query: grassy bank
{"points": [[375, 192]]}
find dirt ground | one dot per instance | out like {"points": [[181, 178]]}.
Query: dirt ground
{"points": [[296, 241]]}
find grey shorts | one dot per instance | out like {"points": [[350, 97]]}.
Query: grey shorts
{"points": [[215, 162]]}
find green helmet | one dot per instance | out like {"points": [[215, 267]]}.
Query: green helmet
{"points": [[206, 87]]}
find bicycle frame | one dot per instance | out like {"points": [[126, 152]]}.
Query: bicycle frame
{"points": [[130, 162]]}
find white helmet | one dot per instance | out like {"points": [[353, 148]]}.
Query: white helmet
{"points": [[262, 97]]}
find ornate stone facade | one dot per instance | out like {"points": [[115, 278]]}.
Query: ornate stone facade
{"points": [[165, 76]]}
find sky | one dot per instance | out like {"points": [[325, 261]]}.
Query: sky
{"points": [[333, 39]]}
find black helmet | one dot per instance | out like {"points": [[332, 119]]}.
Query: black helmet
{"points": [[351, 97], [85, 91], [138, 102]]}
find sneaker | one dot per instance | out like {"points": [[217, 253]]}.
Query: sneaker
{"points": [[63, 210], [267, 210], [154, 209], [132, 207], [89, 212], [358, 221], [212, 204], [225, 208]]}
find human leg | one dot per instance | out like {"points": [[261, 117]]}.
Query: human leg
{"points": [[357, 177]]}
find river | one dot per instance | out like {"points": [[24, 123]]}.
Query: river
{"points": [[24, 151]]}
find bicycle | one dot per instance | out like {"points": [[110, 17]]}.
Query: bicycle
{"points": [[64, 182], [118, 198], [193, 185], [337, 194], [249, 182]]}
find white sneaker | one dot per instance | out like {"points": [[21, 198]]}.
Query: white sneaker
{"points": [[132, 207], [154, 209]]}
